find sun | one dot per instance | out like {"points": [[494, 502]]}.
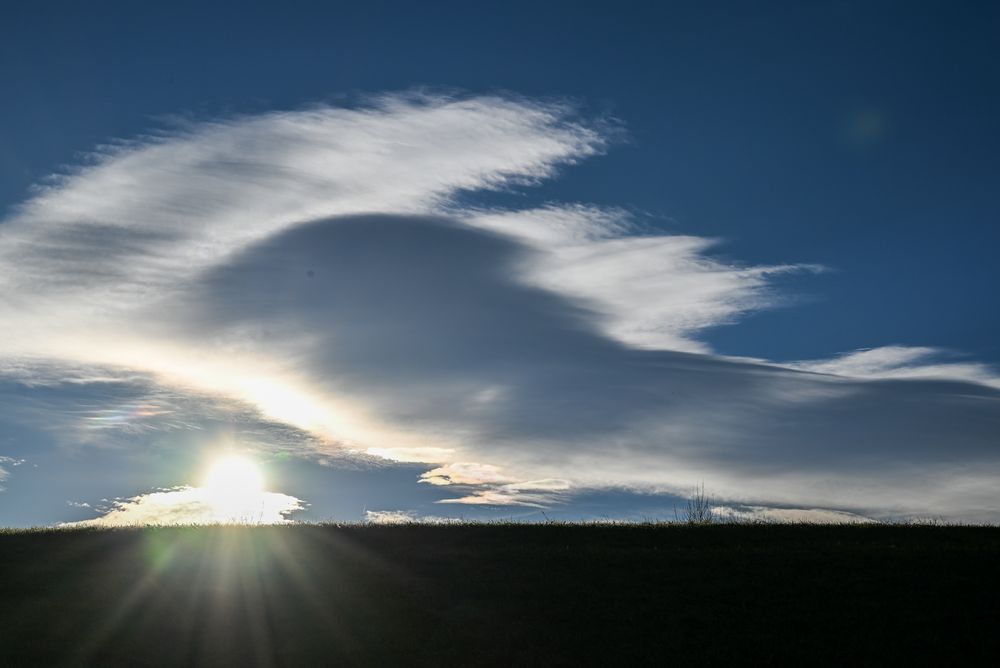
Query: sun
{"points": [[234, 477]]}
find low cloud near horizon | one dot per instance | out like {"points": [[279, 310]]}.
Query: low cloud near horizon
{"points": [[320, 268]]}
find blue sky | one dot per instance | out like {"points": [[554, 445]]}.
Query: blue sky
{"points": [[794, 182]]}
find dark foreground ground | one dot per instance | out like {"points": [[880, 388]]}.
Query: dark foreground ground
{"points": [[468, 595]]}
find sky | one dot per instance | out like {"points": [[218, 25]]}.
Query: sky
{"points": [[442, 261]]}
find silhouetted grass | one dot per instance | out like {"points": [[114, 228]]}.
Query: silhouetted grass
{"points": [[501, 594]]}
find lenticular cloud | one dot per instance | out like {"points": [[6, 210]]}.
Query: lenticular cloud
{"points": [[320, 267]]}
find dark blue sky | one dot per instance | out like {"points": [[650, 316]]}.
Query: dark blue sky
{"points": [[862, 136]]}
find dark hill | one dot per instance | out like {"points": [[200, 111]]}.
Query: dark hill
{"points": [[491, 595]]}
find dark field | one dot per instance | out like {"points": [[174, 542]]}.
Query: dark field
{"points": [[502, 595]]}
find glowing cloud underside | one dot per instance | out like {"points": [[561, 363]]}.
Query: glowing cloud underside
{"points": [[232, 493], [198, 505]]}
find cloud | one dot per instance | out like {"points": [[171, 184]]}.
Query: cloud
{"points": [[490, 485], [465, 473], [427, 323], [647, 289], [533, 493], [109, 408], [788, 515], [320, 267], [196, 505], [163, 208], [903, 362], [7, 462], [421, 454], [404, 517]]}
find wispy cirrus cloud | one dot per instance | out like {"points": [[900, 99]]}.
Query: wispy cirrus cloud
{"points": [[5, 464], [915, 362], [647, 289], [537, 493], [317, 267]]}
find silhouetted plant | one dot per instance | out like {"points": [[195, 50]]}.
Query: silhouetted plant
{"points": [[699, 507]]}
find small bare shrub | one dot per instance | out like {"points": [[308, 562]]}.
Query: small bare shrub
{"points": [[698, 509]]}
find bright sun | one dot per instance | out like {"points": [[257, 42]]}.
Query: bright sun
{"points": [[234, 476]]}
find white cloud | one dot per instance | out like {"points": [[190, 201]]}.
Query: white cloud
{"points": [[318, 266], [196, 505], [651, 290], [537, 493], [465, 473], [788, 515], [491, 485], [7, 462], [902, 362], [161, 209], [404, 517], [159, 212], [430, 455]]}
